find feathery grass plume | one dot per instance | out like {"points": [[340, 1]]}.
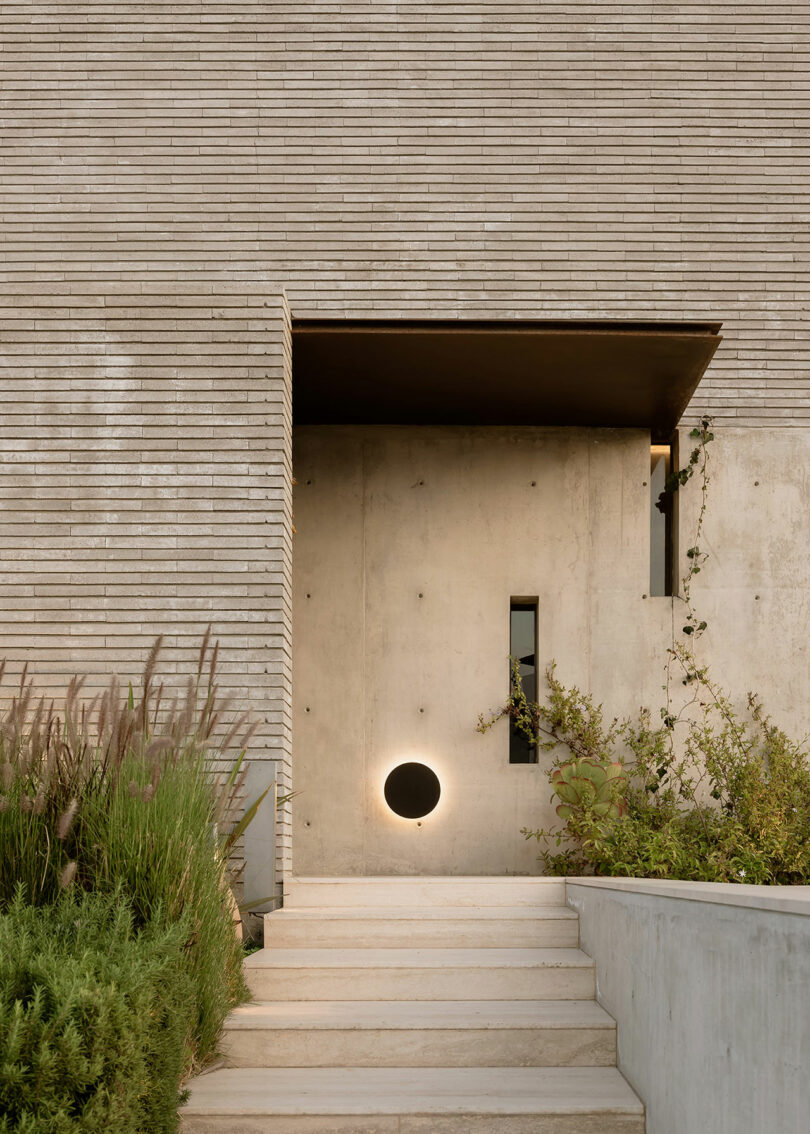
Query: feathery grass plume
{"points": [[148, 677], [185, 723], [203, 651], [66, 820], [67, 875], [101, 726], [158, 699], [122, 792]]}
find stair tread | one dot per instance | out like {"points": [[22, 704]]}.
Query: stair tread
{"points": [[413, 1090], [427, 913], [498, 880], [392, 1015], [381, 958]]}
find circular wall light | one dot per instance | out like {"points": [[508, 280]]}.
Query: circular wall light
{"points": [[412, 790]]}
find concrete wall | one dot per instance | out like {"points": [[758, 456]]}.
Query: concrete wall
{"points": [[464, 518], [145, 489], [754, 591], [710, 986], [467, 518], [614, 158]]}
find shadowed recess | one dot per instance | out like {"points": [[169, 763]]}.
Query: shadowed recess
{"points": [[446, 372]]}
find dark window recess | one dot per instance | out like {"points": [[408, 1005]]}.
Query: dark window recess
{"points": [[412, 790], [661, 508], [523, 646]]}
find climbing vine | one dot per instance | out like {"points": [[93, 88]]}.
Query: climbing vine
{"points": [[708, 792]]}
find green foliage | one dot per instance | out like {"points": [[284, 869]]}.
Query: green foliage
{"points": [[729, 802], [707, 793], [160, 847], [589, 787], [119, 794], [93, 1017], [523, 713]]}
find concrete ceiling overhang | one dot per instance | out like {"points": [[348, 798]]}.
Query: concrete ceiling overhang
{"points": [[445, 372]]}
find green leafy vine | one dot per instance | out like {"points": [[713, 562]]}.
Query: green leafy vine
{"points": [[708, 793]]}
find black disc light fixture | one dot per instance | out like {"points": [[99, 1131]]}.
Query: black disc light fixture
{"points": [[412, 790]]}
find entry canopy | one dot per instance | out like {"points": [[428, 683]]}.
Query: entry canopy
{"points": [[451, 372]]}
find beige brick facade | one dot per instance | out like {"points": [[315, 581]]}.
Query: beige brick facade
{"points": [[488, 158], [169, 168], [145, 488]]}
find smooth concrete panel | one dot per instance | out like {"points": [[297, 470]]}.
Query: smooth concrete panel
{"points": [[410, 543], [712, 1001], [329, 674], [754, 591], [467, 518]]}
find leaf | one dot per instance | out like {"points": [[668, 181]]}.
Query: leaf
{"points": [[585, 789], [229, 841], [567, 792], [246, 907], [615, 771]]}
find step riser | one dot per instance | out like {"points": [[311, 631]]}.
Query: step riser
{"points": [[400, 893], [322, 1051], [553, 983], [415, 1124], [285, 933], [433, 1047]]}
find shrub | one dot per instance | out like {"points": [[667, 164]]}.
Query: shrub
{"points": [[708, 794], [93, 1018], [722, 796], [120, 794], [160, 847]]}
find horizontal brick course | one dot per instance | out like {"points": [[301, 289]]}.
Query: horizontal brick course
{"points": [[458, 159], [145, 489], [168, 168]]}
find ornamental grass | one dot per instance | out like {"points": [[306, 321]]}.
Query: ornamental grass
{"points": [[120, 794]]}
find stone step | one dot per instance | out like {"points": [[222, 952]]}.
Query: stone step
{"points": [[420, 974], [429, 927], [455, 1033], [401, 891], [447, 1100]]}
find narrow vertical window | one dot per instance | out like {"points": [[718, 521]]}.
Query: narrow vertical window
{"points": [[661, 506], [523, 647]]}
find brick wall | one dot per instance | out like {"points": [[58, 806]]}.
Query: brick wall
{"points": [[145, 489], [490, 158], [168, 167]]}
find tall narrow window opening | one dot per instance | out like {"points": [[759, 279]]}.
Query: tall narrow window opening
{"points": [[523, 647], [661, 510]]}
